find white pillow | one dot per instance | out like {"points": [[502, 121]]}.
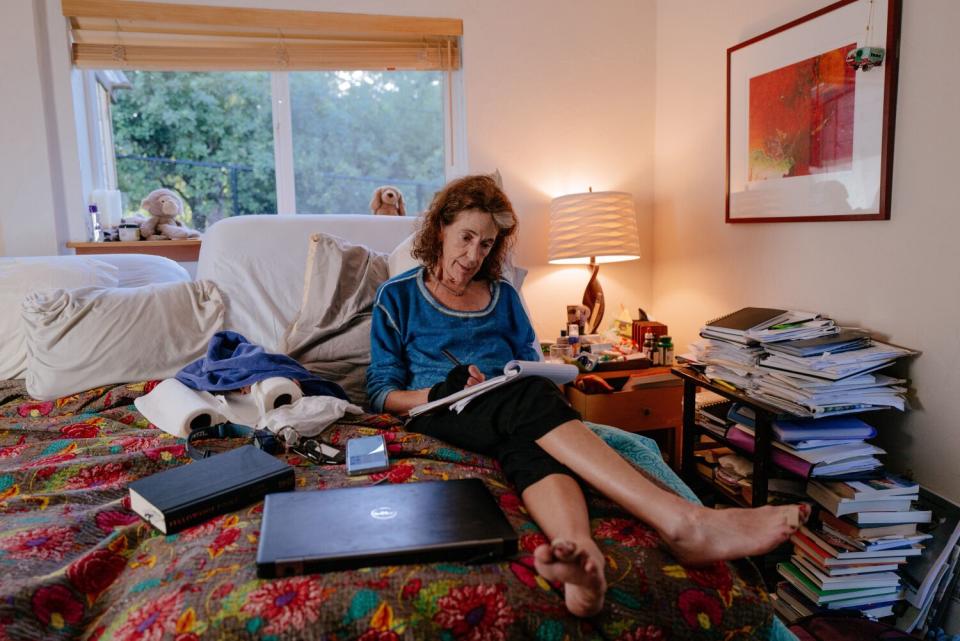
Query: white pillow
{"points": [[83, 338], [140, 270], [21, 276]]}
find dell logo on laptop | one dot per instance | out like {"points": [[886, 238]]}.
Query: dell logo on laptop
{"points": [[383, 513]]}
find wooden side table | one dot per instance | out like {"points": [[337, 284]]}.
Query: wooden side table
{"points": [[653, 406], [179, 250]]}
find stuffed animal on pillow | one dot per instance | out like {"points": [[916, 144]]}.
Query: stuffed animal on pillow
{"points": [[387, 201], [164, 206]]}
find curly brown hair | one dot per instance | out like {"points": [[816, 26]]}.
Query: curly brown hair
{"points": [[470, 192]]}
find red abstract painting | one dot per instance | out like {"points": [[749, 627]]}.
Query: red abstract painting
{"points": [[801, 117]]}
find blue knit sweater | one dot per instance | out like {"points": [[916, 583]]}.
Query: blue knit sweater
{"points": [[410, 327]]}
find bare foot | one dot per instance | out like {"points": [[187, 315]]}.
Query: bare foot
{"points": [[580, 569], [709, 535]]}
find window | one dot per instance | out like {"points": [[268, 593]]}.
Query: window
{"points": [[354, 131], [308, 121], [106, 169], [210, 137]]}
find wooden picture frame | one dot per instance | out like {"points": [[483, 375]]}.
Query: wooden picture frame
{"points": [[810, 138]]}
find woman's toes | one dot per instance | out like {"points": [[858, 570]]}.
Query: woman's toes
{"points": [[563, 550]]}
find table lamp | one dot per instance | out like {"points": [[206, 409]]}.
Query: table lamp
{"points": [[592, 228]]}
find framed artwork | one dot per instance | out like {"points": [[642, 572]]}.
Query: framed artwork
{"points": [[810, 135]]}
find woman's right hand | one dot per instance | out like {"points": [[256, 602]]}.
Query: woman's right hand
{"points": [[457, 378], [476, 376], [402, 401]]}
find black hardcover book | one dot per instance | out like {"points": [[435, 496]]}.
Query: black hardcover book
{"points": [[843, 341], [181, 497], [716, 412]]}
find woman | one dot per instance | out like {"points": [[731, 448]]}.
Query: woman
{"points": [[458, 302]]}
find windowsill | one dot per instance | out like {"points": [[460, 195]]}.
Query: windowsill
{"points": [[186, 251]]}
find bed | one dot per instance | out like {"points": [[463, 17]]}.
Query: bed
{"points": [[76, 563]]}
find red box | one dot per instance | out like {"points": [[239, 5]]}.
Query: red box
{"points": [[642, 328]]}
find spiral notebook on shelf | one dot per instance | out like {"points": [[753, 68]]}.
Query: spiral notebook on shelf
{"points": [[743, 320]]}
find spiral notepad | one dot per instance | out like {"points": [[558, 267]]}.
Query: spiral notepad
{"points": [[746, 319]]}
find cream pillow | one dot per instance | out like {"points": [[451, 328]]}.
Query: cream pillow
{"points": [[400, 259], [330, 335], [21, 276], [83, 338]]}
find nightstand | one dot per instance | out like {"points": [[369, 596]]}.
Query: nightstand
{"points": [[655, 406], [182, 250]]}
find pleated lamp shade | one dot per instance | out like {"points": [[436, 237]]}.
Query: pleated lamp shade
{"points": [[601, 225]]}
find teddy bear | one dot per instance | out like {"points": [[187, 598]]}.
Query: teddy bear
{"points": [[387, 201], [164, 206]]}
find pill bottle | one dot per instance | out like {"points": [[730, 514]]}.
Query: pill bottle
{"points": [[573, 337], [648, 347], [665, 349]]}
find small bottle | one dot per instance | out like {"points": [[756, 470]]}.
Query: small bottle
{"points": [[648, 347], [665, 348], [95, 229], [573, 337]]}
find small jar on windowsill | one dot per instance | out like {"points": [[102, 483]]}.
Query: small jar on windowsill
{"points": [[129, 232]]}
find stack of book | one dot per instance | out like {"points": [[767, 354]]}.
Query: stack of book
{"points": [[714, 413], [752, 325], [799, 362], [711, 412], [930, 580], [829, 447], [851, 555], [834, 375]]}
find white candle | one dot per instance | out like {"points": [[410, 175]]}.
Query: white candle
{"points": [[108, 206], [114, 208]]}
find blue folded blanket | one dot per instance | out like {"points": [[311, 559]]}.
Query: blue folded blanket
{"points": [[233, 362]]}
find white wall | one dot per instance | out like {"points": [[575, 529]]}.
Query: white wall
{"points": [[28, 208], [899, 278], [559, 97]]}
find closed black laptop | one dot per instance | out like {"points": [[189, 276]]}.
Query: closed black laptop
{"points": [[381, 525]]}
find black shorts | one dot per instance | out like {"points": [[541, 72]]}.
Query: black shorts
{"points": [[505, 423]]}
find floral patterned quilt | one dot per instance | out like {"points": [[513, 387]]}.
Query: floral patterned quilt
{"points": [[77, 563]]}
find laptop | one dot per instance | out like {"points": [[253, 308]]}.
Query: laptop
{"points": [[357, 527]]}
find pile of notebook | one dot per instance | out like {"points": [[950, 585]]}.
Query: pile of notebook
{"points": [[800, 362], [851, 554], [831, 447]]}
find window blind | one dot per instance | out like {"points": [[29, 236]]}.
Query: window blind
{"points": [[117, 34]]}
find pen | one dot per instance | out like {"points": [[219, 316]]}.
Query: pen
{"points": [[450, 357]]}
